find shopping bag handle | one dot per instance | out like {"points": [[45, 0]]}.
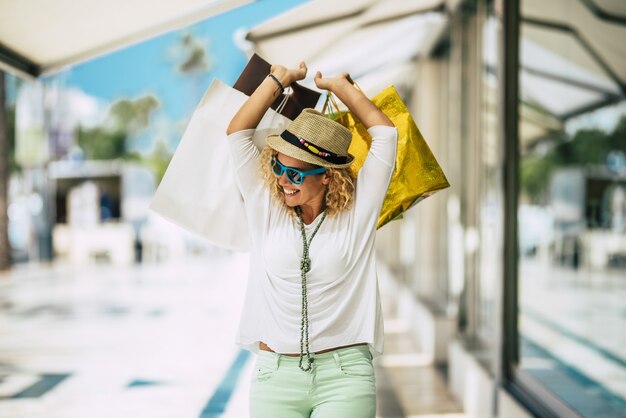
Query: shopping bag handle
{"points": [[283, 103], [331, 108]]}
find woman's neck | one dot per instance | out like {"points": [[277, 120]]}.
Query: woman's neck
{"points": [[310, 212]]}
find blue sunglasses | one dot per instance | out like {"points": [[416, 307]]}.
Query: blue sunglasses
{"points": [[294, 175]]}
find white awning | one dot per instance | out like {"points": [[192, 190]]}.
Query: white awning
{"points": [[572, 60], [573, 54], [372, 40], [41, 36]]}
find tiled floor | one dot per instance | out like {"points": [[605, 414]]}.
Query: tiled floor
{"points": [[573, 337], [409, 385], [157, 341], [417, 387], [130, 342]]}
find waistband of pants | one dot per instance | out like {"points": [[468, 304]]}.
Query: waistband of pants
{"points": [[338, 356]]}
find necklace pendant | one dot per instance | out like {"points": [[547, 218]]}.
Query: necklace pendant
{"points": [[305, 264], [307, 365]]}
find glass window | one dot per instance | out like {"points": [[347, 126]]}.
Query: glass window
{"points": [[572, 206]]}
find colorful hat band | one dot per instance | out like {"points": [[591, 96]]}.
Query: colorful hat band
{"points": [[313, 149]]}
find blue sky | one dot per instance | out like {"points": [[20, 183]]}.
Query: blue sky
{"points": [[148, 68]]}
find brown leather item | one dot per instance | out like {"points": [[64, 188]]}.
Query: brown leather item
{"points": [[264, 347], [253, 75]]}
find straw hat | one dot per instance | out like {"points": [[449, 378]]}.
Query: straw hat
{"points": [[315, 139]]}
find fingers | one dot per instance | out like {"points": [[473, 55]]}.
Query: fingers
{"points": [[319, 81], [302, 70], [347, 77]]}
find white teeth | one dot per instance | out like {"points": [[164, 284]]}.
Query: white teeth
{"points": [[290, 192]]}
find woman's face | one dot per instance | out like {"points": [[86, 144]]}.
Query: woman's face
{"points": [[310, 192]]}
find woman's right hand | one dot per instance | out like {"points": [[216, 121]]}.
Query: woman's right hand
{"points": [[287, 76], [252, 111]]}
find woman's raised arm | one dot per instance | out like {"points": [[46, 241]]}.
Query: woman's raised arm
{"points": [[252, 111], [354, 99]]}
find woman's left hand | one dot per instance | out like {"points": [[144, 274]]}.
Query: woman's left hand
{"points": [[362, 107], [330, 83]]}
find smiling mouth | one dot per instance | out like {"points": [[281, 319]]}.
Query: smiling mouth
{"points": [[290, 192]]}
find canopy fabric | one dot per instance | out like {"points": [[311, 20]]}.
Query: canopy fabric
{"points": [[572, 60], [372, 40], [573, 54], [617, 7], [40, 36]]}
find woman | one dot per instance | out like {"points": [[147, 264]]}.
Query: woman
{"points": [[312, 309]]}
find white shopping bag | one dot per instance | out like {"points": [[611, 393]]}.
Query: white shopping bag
{"points": [[198, 191]]}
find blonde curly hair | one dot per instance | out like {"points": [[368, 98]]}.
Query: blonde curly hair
{"points": [[339, 194]]}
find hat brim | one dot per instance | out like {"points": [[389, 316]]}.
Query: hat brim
{"points": [[277, 143]]}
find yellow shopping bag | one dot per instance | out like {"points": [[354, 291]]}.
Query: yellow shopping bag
{"points": [[417, 174]]}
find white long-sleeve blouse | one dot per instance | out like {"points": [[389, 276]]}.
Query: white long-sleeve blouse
{"points": [[343, 297]]}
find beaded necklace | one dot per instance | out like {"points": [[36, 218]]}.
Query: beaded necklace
{"points": [[305, 267]]}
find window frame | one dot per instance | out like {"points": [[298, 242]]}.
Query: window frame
{"points": [[535, 397]]}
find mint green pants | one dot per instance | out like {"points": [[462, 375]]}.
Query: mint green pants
{"points": [[341, 384]]}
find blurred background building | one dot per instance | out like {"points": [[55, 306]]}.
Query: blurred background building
{"points": [[513, 281]]}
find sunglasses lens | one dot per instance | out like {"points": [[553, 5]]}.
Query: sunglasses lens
{"points": [[276, 167], [294, 176]]}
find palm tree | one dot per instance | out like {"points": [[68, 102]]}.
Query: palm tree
{"points": [[195, 60], [5, 248], [191, 57]]}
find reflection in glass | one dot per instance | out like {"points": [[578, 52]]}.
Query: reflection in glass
{"points": [[572, 209]]}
